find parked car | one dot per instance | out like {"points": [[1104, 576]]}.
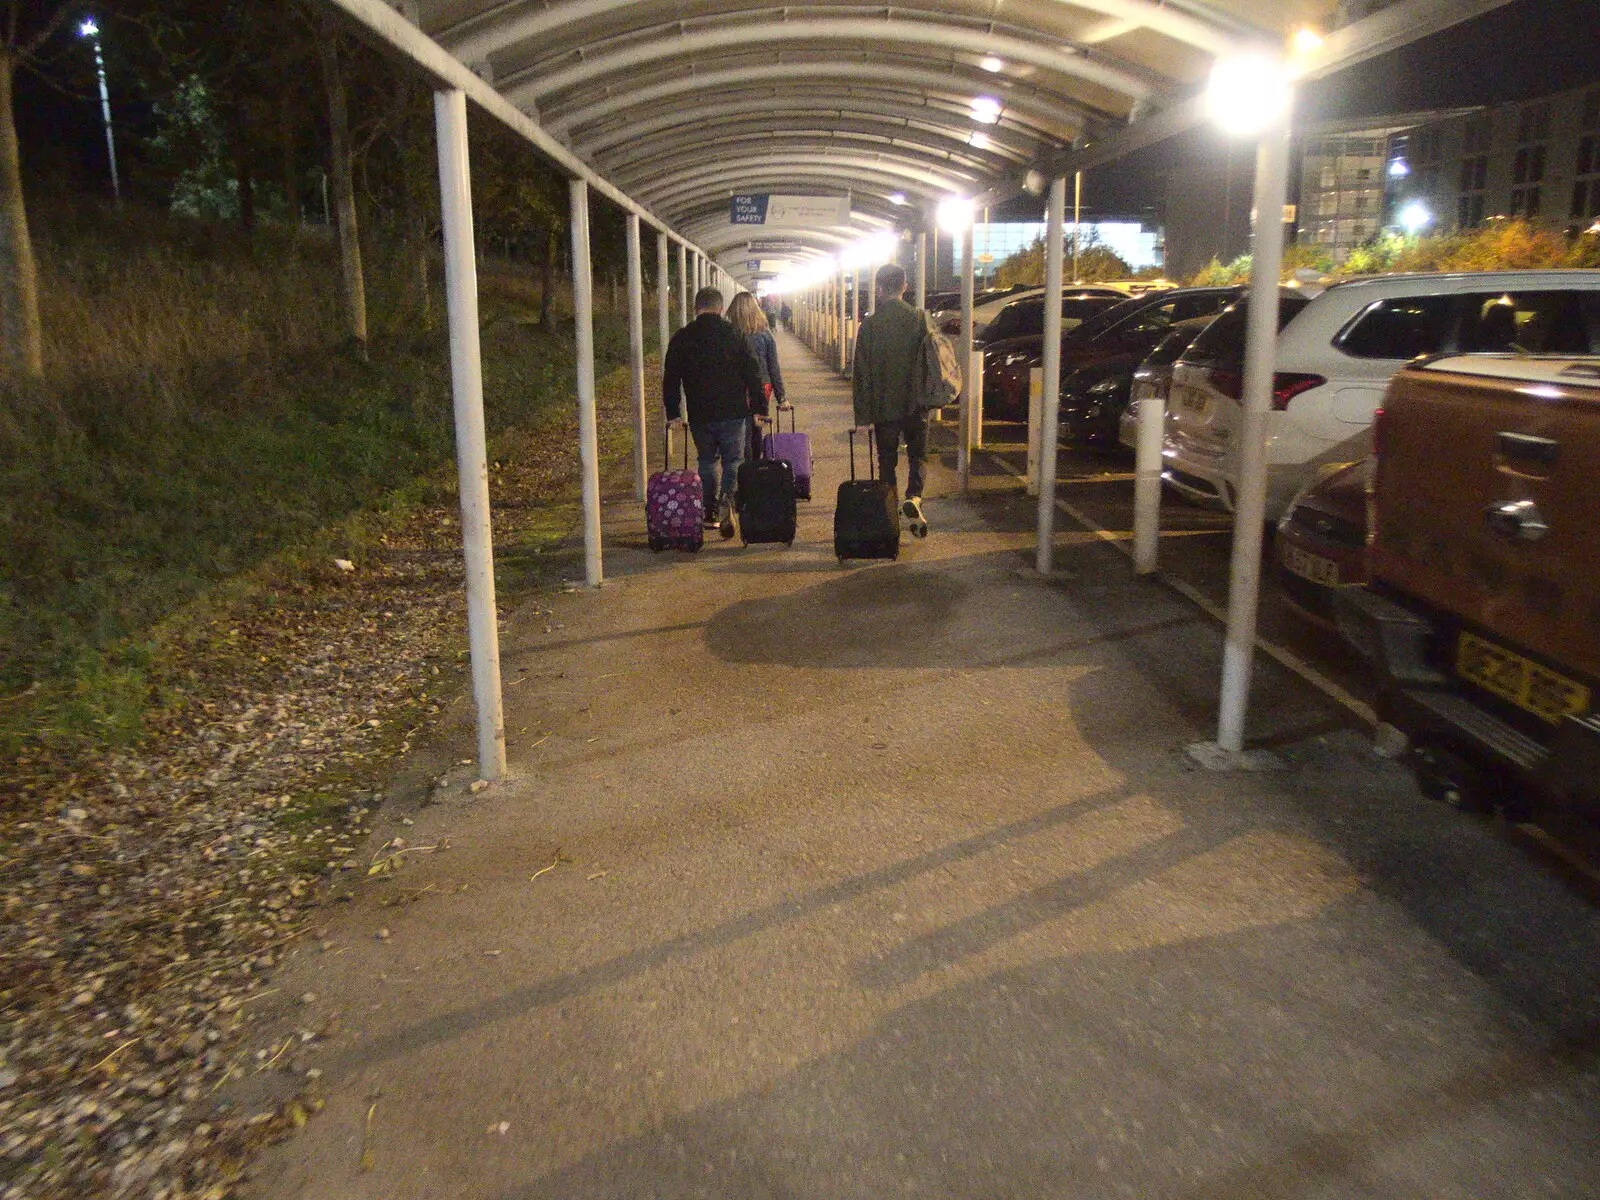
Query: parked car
{"points": [[1131, 328], [986, 311], [1024, 317], [1322, 541], [1335, 355], [1154, 376], [1094, 397], [1480, 619], [981, 302]]}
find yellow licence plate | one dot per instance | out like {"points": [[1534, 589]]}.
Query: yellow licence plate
{"points": [[1520, 680], [1192, 400], [1309, 566]]}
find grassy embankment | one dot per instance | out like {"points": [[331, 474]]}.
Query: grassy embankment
{"points": [[201, 432]]}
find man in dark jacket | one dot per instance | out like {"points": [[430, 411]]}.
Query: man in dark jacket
{"points": [[889, 351], [709, 363]]}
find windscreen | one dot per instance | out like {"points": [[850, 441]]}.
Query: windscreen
{"points": [[1223, 339]]}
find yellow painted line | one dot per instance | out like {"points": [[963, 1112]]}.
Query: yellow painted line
{"points": [[1331, 688]]}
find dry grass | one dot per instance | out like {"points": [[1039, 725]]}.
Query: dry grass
{"points": [[202, 413]]}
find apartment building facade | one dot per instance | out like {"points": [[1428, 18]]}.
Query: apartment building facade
{"points": [[1441, 172]]}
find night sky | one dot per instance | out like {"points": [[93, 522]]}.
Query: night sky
{"points": [[1522, 49]]}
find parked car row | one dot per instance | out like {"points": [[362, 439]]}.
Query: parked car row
{"points": [[1480, 554]]}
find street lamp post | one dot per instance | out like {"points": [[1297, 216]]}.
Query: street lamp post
{"points": [[91, 30]]}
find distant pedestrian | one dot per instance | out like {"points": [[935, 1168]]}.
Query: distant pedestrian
{"points": [[710, 365], [745, 315], [886, 386]]}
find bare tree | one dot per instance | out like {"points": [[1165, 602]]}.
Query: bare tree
{"points": [[19, 273], [342, 177]]}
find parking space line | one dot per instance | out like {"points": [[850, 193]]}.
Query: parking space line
{"points": [[1335, 691]]}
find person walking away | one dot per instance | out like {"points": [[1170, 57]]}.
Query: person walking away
{"points": [[710, 371], [745, 315], [885, 387]]}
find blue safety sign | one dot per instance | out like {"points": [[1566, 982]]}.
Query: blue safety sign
{"points": [[748, 210]]}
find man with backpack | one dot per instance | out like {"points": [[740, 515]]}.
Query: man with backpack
{"points": [[709, 362], [897, 379]]}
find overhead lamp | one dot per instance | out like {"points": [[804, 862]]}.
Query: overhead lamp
{"points": [[1398, 169], [88, 28], [1248, 93], [1414, 216], [954, 214], [979, 141], [992, 64], [1034, 182], [986, 110], [897, 198], [1305, 42]]}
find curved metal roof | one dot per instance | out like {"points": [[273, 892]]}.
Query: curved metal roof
{"points": [[681, 103]]}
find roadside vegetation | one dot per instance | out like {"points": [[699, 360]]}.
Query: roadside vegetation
{"points": [[230, 576], [1502, 245]]}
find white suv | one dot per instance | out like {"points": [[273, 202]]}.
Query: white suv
{"points": [[1335, 355]]}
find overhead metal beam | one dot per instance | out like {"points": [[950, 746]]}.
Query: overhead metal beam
{"points": [[497, 29], [779, 144], [956, 79], [691, 185], [887, 109], [766, 128], [446, 72], [939, 178], [538, 81]]}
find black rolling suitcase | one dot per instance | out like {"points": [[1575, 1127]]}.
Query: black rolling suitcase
{"points": [[866, 519], [765, 500]]}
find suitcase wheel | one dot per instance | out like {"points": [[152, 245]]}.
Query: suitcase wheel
{"points": [[657, 545]]}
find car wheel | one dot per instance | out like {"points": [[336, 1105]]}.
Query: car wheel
{"points": [[1447, 777]]}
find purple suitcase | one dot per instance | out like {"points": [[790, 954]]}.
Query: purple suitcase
{"points": [[675, 506], [795, 449]]}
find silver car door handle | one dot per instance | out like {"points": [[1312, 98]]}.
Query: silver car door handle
{"points": [[1519, 519]]}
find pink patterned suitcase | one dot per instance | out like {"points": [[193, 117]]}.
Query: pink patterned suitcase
{"points": [[675, 510]]}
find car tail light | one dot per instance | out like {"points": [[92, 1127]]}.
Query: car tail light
{"points": [[1286, 385]]}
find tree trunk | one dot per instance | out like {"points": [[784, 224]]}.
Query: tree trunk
{"points": [[291, 178], [19, 275], [546, 270], [245, 178], [344, 191]]}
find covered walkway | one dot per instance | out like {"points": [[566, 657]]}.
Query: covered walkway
{"points": [[890, 880]]}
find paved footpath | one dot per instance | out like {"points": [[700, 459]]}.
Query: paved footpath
{"points": [[890, 880]]}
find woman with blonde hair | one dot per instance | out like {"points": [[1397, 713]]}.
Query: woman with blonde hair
{"points": [[744, 313]]}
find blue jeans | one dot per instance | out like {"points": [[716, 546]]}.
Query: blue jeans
{"points": [[724, 440]]}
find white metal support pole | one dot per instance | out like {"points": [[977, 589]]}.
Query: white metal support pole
{"points": [[641, 455], [841, 323], [683, 285], [1050, 383], [588, 423], [466, 386], [1260, 350], [1147, 483], [921, 244], [1035, 399], [663, 295], [872, 291], [1077, 218], [964, 435]]}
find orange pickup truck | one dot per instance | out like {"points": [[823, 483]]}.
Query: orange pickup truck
{"points": [[1482, 617]]}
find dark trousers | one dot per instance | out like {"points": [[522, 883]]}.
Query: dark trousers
{"points": [[914, 429]]}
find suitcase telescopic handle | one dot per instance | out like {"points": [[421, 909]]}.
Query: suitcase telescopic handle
{"points": [[666, 449], [872, 472]]}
